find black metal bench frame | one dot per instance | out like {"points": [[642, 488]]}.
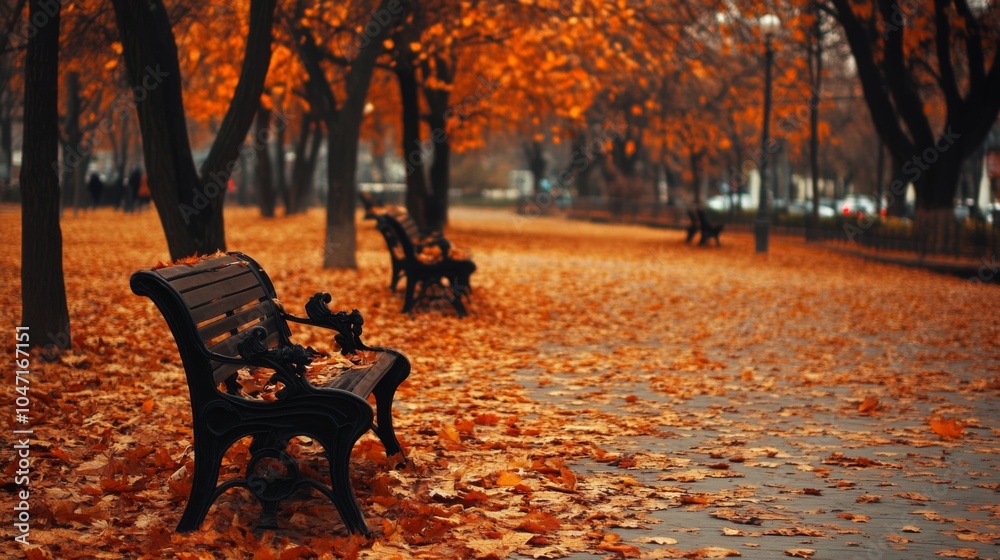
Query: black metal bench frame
{"points": [[700, 223], [224, 316], [424, 281]]}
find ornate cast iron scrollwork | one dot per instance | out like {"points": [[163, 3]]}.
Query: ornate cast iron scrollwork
{"points": [[288, 362], [347, 325], [272, 475]]}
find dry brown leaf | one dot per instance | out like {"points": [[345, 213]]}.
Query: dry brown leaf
{"points": [[716, 552], [958, 553], [508, 479], [868, 406], [947, 428]]}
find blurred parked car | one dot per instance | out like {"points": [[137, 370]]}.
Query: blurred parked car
{"points": [[723, 202], [800, 207], [854, 204]]}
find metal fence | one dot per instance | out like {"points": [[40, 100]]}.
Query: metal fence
{"points": [[940, 235]]}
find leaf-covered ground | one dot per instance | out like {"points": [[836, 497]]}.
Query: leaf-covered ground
{"points": [[614, 393]]}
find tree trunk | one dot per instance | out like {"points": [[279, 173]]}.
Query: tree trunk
{"points": [[897, 108], [898, 185], [297, 189], [70, 186], [534, 153], [279, 157], [243, 180], [695, 157], [343, 126], [6, 144], [76, 156], [265, 175], [119, 147], [43, 290], [438, 99], [417, 199], [304, 184], [342, 160], [437, 210], [816, 78], [190, 207]]}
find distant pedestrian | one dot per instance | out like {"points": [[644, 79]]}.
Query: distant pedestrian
{"points": [[96, 187], [132, 188], [144, 194]]}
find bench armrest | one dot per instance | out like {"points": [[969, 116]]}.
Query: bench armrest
{"points": [[288, 362], [347, 325], [432, 240]]}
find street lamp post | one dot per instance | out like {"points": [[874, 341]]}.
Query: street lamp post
{"points": [[769, 25]]}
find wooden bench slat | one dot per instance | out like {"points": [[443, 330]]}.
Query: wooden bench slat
{"points": [[184, 269], [227, 347], [203, 278], [226, 304], [362, 380], [207, 293], [262, 310]]}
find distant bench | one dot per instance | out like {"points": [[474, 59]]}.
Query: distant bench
{"points": [[432, 267], [700, 223], [224, 316]]}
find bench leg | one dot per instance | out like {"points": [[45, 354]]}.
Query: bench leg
{"points": [[456, 302], [397, 273], [338, 453], [208, 453], [384, 393], [411, 288]]}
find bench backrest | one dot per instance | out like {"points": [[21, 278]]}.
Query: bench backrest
{"points": [[406, 221], [369, 203], [396, 237], [209, 306]]}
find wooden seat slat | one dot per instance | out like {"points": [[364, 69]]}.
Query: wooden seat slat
{"points": [[229, 323], [184, 283], [362, 380], [228, 345], [226, 304], [210, 292], [176, 271]]}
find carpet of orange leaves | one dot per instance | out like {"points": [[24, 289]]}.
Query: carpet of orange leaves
{"points": [[613, 392]]}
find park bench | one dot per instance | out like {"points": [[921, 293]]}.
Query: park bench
{"points": [[225, 318], [692, 228], [700, 223], [433, 268], [370, 204]]}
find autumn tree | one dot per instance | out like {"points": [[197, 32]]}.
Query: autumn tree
{"points": [[909, 55], [11, 52], [43, 290], [320, 40], [189, 203]]}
